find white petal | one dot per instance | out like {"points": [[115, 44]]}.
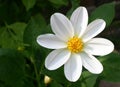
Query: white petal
{"points": [[79, 20], [99, 46], [94, 29], [91, 63], [57, 58], [50, 41], [73, 68], [61, 26]]}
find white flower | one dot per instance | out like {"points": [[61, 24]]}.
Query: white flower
{"points": [[74, 44]]}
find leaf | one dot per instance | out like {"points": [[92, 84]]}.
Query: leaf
{"points": [[18, 29], [9, 8], [35, 27], [12, 67], [57, 75], [54, 84], [111, 65], [75, 4], [59, 2], [12, 34], [28, 4], [5, 38], [89, 79], [105, 12]]}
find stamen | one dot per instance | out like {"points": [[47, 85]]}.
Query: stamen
{"points": [[75, 44]]}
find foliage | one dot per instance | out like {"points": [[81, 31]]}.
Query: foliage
{"points": [[22, 59], [105, 12]]}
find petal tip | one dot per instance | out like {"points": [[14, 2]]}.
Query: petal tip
{"points": [[72, 79], [102, 22], [82, 8], [56, 14], [98, 71], [38, 39], [49, 67]]}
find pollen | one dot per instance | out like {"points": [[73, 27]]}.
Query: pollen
{"points": [[75, 44]]}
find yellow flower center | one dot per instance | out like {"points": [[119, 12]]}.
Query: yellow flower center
{"points": [[75, 44]]}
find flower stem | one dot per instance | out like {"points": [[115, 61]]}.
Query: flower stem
{"points": [[36, 72]]}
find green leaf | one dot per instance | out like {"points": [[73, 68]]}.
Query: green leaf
{"points": [[75, 4], [5, 38], [105, 12], [35, 27], [57, 75], [9, 8], [111, 65], [89, 79], [12, 34], [28, 4], [18, 29], [77, 84], [54, 84], [59, 2], [12, 67]]}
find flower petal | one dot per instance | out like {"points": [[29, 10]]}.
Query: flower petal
{"points": [[50, 41], [94, 29], [91, 63], [99, 46], [73, 68], [79, 19], [57, 58], [61, 26]]}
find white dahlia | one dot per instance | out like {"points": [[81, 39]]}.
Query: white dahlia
{"points": [[74, 44]]}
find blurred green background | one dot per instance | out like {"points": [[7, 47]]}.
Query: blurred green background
{"points": [[22, 59]]}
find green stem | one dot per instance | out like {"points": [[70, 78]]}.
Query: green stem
{"points": [[36, 72]]}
